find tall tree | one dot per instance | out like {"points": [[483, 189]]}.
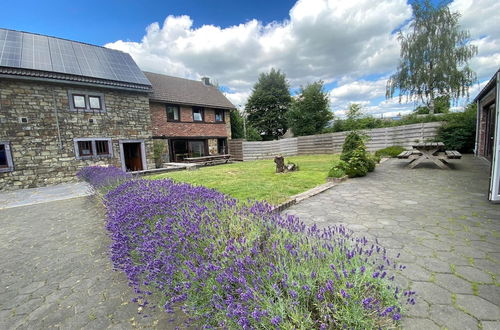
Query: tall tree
{"points": [[268, 105], [237, 126], [434, 57], [310, 112]]}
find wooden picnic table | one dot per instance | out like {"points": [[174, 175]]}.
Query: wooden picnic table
{"points": [[433, 151], [209, 160]]}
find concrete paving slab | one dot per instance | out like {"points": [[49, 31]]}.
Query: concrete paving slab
{"points": [[23, 197], [442, 224]]}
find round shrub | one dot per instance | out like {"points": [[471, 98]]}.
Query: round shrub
{"points": [[352, 141], [370, 163], [356, 163], [337, 171]]}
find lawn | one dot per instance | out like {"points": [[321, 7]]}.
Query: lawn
{"points": [[257, 179]]}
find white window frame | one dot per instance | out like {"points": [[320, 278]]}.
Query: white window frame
{"points": [[94, 149], [8, 152], [87, 95]]}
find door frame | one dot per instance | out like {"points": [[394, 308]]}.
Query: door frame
{"points": [[494, 192], [143, 153]]}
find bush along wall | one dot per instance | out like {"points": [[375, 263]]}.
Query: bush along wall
{"points": [[233, 265]]}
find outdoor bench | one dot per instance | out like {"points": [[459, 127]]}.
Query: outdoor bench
{"points": [[407, 154], [453, 154]]}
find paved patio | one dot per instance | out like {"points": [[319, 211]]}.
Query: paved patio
{"points": [[23, 197], [55, 271], [441, 222]]}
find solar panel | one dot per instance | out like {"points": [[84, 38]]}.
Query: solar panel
{"points": [[37, 52], [11, 49]]}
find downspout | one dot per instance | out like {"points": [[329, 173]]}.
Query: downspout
{"points": [[476, 145], [57, 120]]}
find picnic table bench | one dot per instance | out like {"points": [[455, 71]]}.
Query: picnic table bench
{"points": [[433, 151], [209, 160]]}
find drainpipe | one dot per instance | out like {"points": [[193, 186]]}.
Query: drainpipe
{"points": [[478, 113], [56, 113]]}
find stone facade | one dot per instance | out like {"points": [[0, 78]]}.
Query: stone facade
{"points": [[35, 118], [186, 127]]}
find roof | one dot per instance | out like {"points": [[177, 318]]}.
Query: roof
{"points": [[29, 55], [184, 91], [488, 87]]}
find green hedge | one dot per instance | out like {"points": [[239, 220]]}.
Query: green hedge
{"points": [[390, 152]]}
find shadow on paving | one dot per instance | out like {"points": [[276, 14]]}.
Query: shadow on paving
{"points": [[444, 227], [56, 272]]}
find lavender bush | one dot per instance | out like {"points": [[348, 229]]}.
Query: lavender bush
{"points": [[103, 177], [230, 264]]}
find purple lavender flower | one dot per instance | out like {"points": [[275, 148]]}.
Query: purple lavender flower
{"points": [[184, 242], [276, 320]]}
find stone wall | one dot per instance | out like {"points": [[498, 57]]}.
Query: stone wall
{"points": [[186, 127], [43, 149]]}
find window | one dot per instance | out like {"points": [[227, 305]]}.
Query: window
{"points": [[197, 114], [95, 102], [79, 101], [219, 116], [86, 101], [222, 146], [173, 113], [85, 148], [92, 147], [102, 147], [6, 164]]}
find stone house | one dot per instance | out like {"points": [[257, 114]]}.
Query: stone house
{"points": [[189, 118], [65, 105], [488, 131]]}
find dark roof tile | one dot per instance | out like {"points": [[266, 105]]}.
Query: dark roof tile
{"points": [[184, 91]]}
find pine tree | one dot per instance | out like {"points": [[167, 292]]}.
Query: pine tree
{"points": [[268, 105]]}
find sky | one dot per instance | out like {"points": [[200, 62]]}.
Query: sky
{"points": [[351, 45]]}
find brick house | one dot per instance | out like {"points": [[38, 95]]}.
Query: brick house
{"points": [[488, 131], [190, 118], [65, 105]]}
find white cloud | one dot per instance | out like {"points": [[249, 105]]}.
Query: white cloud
{"points": [[321, 40], [346, 42], [481, 18]]}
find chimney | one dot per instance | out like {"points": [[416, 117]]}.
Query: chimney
{"points": [[206, 81]]}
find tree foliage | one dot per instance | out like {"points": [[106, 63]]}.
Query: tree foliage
{"points": [[441, 105], [434, 57], [237, 126], [268, 105], [354, 112], [309, 113], [459, 132]]}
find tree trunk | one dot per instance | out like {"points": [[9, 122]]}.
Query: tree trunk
{"points": [[280, 164]]}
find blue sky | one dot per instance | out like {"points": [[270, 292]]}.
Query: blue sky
{"points": [[350, 45], [100, 22]]}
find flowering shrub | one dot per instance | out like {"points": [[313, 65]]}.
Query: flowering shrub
{"points": [[103, 177], [235, 265]]}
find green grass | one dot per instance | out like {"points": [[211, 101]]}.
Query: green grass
{"points": [[257, 179]]}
